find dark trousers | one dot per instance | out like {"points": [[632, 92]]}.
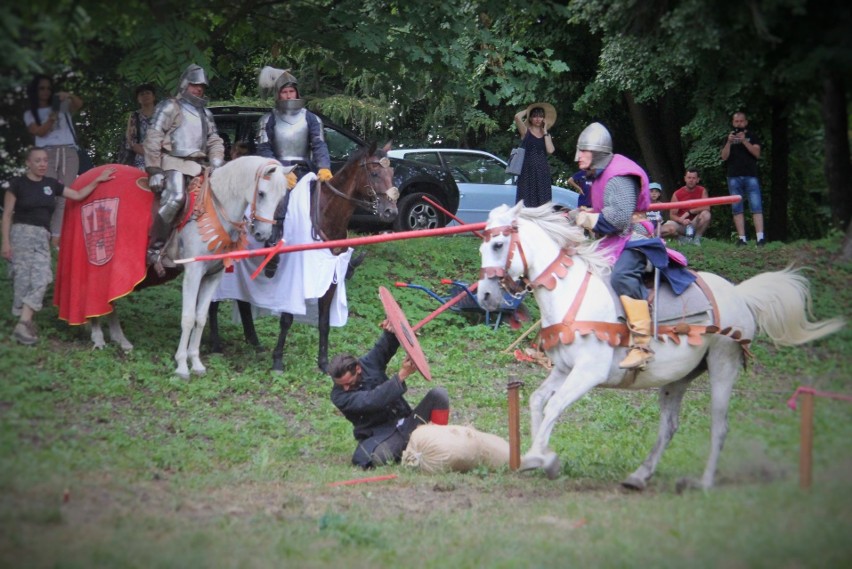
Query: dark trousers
{"points": [[383, 449], [627, 273]]}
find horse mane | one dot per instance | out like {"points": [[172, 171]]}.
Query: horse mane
{"points": [[567, 235], [233, 176], [362, 153]]}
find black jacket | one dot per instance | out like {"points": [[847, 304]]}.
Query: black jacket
{"points": [[376, 405]]}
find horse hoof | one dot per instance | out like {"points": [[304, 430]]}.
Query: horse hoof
{"points": [[98, 346], [277, 366], [126, 346], [531, 463], [182, 375], [259, 349], [552, 466], [685, 484], [199, 372], [277, 372], [634, 483]]}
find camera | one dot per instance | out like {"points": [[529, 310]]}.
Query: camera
{"points": [[738, 130], [55, 103]]}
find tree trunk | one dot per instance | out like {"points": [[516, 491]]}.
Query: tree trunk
{"points": [[846, 253], [776, 224], [658, 135], [838, 169]]}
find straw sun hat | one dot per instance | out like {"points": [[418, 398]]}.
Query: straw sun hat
{"points": [[549, 114]]}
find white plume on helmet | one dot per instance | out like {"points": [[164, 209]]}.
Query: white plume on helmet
{"points": [[273, 79]]}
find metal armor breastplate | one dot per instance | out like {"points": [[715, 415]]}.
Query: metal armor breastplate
{"points": [[189, 140], [291, 136]]}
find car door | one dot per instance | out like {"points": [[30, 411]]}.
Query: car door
{"points": [[482, 181]]}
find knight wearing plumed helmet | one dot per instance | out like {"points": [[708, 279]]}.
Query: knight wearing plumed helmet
{"points": [[291, 133], [181, 140], [620, 188], [294, 136]]}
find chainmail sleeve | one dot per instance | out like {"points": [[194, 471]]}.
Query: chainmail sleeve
{"points": [[620, 202]]}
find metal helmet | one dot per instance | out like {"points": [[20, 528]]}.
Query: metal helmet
{"points": [[192, 75], [285, 79], [597, 139]]}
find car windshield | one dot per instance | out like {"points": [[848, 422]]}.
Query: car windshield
{"points": [[340, 146], [475, 169]]}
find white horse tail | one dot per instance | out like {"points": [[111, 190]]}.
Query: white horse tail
{"points": [[781, 305]]}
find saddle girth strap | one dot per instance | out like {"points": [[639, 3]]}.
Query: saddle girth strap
{"points": [[616, 334]]}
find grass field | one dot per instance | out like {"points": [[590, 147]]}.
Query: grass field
{"points": [[108, 460]]}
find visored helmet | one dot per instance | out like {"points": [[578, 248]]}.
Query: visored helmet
{"points": [[192, 75], [284, 80]]}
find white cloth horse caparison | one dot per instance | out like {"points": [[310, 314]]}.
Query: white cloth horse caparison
{"points": [[525, 243]]}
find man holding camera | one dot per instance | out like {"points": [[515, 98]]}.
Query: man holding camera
{"points": [[741, 152]]}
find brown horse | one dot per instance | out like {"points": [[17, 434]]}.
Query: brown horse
{"points": [[366, 180]]}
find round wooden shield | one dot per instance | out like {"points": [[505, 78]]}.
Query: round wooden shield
{"points": [[404, 333]]}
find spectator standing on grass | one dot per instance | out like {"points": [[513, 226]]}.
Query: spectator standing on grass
{"points": [[690, 223], [139, 121], [535, 182], [28, 206], [48, 119], [740, 153], [381, 418]]}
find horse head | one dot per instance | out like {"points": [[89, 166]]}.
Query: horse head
{"points": [[269, 188], [503, 258], [530, 248], [367, 180]]}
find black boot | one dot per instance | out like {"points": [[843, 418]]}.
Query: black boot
{"points": [[159, 234], [277, 233]]}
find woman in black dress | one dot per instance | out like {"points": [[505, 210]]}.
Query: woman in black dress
{"points": [[534, 183]]}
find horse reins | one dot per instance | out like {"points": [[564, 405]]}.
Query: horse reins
{"points": [[372, 205], [502, 273]]}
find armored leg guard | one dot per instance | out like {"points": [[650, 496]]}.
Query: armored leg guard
{"points": [[639, 323]]}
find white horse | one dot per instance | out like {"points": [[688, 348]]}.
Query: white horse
{"points": [[585, 339], [249, 180]]}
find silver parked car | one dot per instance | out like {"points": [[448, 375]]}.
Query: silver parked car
{"points": [[482, 180]]}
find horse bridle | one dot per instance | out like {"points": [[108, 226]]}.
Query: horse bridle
{"points": [[518, 287], [373, 204], [257, 178]]}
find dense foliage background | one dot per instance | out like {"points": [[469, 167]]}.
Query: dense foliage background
{"points": [[663, 75]]}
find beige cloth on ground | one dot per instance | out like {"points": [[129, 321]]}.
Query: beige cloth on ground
{"points": [[442, 448]]}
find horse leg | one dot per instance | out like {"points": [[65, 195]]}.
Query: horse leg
{"points": [[191, 284], [723, 364], [541, 395], [324, 326], [97, 334], [116, 334], [582, 378], [215, 340], [249, 330], [671, 397], [577, 384], [278, 353], [206, 290]]}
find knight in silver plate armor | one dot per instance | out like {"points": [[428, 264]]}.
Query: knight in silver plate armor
{"points": [[180, 142], [291, 133]]}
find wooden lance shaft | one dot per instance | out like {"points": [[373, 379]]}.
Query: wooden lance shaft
{"points": [[514, 422]]}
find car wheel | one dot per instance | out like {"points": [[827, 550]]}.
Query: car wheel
{"points": [[415, 213]]}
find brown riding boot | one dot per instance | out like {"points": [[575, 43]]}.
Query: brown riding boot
{"points": [[639, 322]]}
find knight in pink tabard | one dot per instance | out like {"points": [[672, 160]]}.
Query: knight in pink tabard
{"points": [[620, 188]]}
